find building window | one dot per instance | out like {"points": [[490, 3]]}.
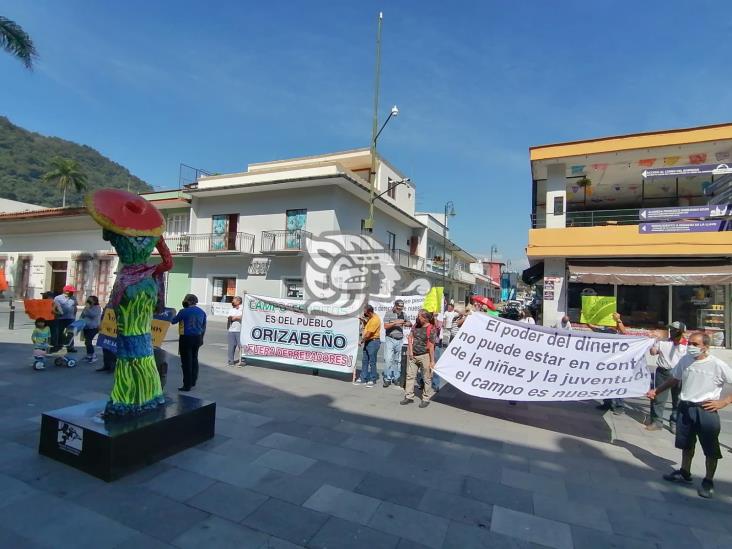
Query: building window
{"points": [[224, 289], [81, 278], [391, 188], [296, 220], [644, 306], [103, 275], [58, 276], [177, 224], [293, 288], [391, 240], [700, 308], [223, 232]]}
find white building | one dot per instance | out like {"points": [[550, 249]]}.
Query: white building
{"points": [[244, 232], [261, 219]]}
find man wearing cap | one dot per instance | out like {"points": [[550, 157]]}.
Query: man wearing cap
{"points": [[702, 378], [64, 308], [667, 353], [394, 323]]}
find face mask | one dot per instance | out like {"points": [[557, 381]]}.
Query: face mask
{"points": [[694, 351]]}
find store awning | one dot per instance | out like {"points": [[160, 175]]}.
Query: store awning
{"points": [[652, 275], [533, 274]]}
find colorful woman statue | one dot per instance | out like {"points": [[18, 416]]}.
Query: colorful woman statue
{"points": [[134, 227]]}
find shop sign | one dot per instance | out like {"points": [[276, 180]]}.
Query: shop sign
{"points": [[682, 227], [697, 169], [685, 212]]}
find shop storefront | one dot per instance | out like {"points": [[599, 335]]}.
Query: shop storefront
{"points": [[651, 295]]}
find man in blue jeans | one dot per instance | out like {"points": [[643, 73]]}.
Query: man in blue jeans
{"points": [[370, 339], [394, 324]]}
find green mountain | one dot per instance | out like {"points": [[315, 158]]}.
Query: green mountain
{"points": [[24, 158]]}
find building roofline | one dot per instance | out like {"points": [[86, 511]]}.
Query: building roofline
{"points": [[49, 212], [643, 140], [310, 157], [341, 173]]}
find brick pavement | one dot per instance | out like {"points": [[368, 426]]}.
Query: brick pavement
{"points": [[312, 461]]}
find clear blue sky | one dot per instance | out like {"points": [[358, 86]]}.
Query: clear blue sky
{"points": [[219, 85]]}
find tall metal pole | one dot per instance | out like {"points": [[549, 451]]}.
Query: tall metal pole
{"points": [[444, 254], [369, 225]]}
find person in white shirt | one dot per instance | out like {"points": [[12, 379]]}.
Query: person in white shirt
{"points": [[449, 324], [234, 330], [564, 323], [527, 317], [667, 353], [702, 377]]}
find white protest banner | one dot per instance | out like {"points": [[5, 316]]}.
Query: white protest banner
{"points": [[412, 305], [220, 308], [502, 359], [278, 330]]}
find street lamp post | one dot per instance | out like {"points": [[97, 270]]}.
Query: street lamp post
{"points": [[449, 211], [369, 223], [494, 248]]}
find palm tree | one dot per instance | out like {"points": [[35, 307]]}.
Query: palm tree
{"points": [[16, 41], [65, 173]]}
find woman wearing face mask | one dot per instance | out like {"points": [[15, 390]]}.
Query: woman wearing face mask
{"points": [[702, 377], [192, 327]]}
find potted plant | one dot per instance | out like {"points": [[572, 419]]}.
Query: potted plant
{"points": [[584, 181]]}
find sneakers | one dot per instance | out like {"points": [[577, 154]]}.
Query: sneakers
{"points": [[90, 358], [387, 382], [359, 382], [653, 427], [406, 401], [679, 475], [424, 404], [706, 490], [369, 384]]}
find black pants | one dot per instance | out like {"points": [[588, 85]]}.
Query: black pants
{"points": [[89, 334], [59, 336], [695, 422], [188, 346], [109, 358]]}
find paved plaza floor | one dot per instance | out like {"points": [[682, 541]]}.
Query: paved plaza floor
{"points": [[312, 461]]}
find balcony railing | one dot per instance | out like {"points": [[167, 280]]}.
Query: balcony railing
{"points": [[463, 276], [402, 258], [211, 243], [593, 218], [284, 241]]}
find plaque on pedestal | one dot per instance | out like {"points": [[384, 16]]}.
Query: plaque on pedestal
{"points": [[110, 449]]}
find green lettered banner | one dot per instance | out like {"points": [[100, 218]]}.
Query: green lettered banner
{"points": [[598, 310]]}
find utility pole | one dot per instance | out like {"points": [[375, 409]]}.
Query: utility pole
{"points": [[369, 224]]}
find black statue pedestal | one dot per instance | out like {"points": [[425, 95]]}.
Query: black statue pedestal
{"points": [[110, 449]]}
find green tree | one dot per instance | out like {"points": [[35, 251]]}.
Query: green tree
{"points": [[65, 173], [16, 41]]}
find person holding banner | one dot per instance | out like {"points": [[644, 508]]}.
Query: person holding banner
{"points": [[667, 353], [702, 378], [394, 324], [420, 355], [371, 341]]}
